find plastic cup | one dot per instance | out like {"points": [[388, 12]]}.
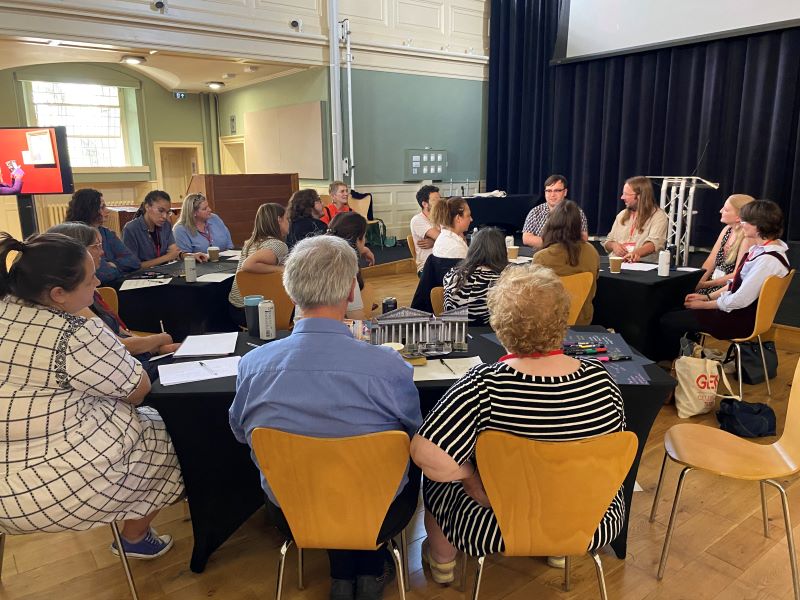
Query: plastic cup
{"points": [[251, 313], [615, 264]]}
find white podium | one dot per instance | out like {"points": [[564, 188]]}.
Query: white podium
{"points": [[677, 200]]}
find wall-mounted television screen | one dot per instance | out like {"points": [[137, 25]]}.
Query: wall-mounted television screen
{"points": [[35, 160]]}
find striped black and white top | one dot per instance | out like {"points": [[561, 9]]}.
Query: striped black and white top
{"points": [[583, 404], [471, 292]]}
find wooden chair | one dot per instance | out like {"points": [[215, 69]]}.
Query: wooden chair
{"points": [[269, 285], [437, 300], [549, 497], [578, 287], [710, 449], [122, 557], [109, 296], [769, 300], [411, 247], [361, 203], [334, 492], [326, 199]]}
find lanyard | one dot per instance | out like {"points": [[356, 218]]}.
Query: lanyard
{"points": [[532, 355], [206, 234], [156, 239]]}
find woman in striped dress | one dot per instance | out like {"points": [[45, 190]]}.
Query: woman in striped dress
{"points": [[468, 282], [535, 391]]}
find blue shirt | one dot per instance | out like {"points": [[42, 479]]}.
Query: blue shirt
{"points": [[140, 242], [114, 251], [215, 230], [322, 382]]}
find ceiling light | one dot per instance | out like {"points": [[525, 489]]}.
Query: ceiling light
{"points": [[130, 59], [215, 85], [153, 51], [250, 69]]}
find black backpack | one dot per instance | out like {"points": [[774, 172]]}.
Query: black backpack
{"points": [[746, 419]]}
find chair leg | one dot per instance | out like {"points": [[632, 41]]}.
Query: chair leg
{"points": [[477, 588], [764, 364], [464, 561], [404, 550], [657, 497], [789, 536], [398, 563], [764, 512], [671, 525], [601, 580], [739, 369], [300, 583], [567, 570], [124, 560], [2, 550], [281, 564]]}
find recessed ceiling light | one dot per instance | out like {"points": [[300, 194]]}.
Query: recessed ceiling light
{"points": [[153, 51], [129, 59], [215, 85]]}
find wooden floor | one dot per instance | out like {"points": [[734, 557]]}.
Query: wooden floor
{"points": [[718, 551]]}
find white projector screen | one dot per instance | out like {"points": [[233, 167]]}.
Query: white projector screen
{"points": [[595, 28]]}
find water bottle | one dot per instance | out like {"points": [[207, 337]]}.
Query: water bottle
{"points": [[190, 269], [663, 263], [266, 320]]}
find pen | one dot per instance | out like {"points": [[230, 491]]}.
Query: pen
{"points": [[613, 358], [207, 368], [469, 337], [162, 326], [441, 360]]}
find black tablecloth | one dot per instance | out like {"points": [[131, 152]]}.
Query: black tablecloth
{"points": [[185, 308], [223, 484], [506, 213]]}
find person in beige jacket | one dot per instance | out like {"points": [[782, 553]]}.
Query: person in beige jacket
{"points": [[640, 229]]}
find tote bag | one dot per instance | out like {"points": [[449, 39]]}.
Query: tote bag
{"points": [[698, 382]]}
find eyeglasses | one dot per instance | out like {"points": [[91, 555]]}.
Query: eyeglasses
{"points": [[557, 191], [96, 245]]}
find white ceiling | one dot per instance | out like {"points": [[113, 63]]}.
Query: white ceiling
{"points": [[172, 70]]}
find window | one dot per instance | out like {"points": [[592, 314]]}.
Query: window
{"points": [[101, 121]]}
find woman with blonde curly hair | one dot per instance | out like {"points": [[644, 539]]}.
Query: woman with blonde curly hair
{"points": [[534, 391]]}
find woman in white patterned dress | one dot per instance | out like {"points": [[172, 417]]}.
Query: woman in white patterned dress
{"points": [[75, 451]]}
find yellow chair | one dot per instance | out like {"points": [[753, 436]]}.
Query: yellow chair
{"points": [[549, 497], [437, 300], [769, 300], [721, 453], [109, 296], [326, 199], [411, 247], [122, 557], [578, 287], [269, 285], [334, 492]]}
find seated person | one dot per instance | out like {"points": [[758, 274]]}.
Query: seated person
{"points": [[529, 392], [555, 191], [566, 252], [264, 252], [423, 232], [305, 210], [340, 195], [468, 283], [729, 248], [87, 206], [142, 347], [149, 234], [366, 389], [352, 227], [17, 176], [198, 227], [69, 416], [452, 216], [640, 229], [730, 312]]}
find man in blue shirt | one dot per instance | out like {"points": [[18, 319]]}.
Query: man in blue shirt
{"points": [[322, 382]]}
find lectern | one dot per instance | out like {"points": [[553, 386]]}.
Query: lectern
{"points": [[677, 200]]}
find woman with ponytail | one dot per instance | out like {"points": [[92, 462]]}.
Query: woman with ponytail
{"points": [[69, 392], [453, 216]]}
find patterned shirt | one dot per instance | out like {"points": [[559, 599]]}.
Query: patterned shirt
{"points": [[281, 251], [537, 219], [471, 292]]}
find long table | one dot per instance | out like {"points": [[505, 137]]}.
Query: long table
{"points": [[223, 484], [507, 213]]}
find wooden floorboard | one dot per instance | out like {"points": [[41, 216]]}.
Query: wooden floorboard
{"points": [[718, 551]]}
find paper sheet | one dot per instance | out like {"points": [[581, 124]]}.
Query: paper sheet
{"points": [[208, 277], [687, 269], [138, 284], [231, 254], [213, 344], [638, 267], [198, 370], [453, 368], [520, 260]]}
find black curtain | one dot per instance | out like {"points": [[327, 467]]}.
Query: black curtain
{"points": [[731, 105]]}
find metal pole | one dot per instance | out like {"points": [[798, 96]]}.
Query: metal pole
{"points": [[349, 62], [335, 88], [679, 216], [689, 218]]}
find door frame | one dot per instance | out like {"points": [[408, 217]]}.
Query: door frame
{"points": [[230, 140], [197, 146]]}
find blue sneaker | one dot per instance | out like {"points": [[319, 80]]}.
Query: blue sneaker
{"points": [[150, 547]]}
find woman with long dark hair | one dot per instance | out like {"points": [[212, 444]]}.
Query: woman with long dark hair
{"points": [[305, 210], [564, 251], [149, 235], [469, 282]]}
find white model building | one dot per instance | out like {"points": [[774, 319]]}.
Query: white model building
{"points": [[418, 330]]}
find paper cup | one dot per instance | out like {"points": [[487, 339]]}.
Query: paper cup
{"points": [[513, 252], [213, 253], [615, 264]]}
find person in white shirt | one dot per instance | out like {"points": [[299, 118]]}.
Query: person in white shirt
{"points": [[453, 217], [730, 312], [423, 232]]}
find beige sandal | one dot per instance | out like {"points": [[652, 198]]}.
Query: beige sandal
{"points": [[441, 572]]}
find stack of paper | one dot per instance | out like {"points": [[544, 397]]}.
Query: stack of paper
{"points": [[213, 277], [638, 266], [200, 370], [445, 368], [213, 344], [138, 284]]}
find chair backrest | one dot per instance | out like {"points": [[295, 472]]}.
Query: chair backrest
{"points": [[411, 247], [334, 493], [269, 285], [109, 296], [437, 300], [326, 199], [369, 298], [790, 438], [361, 205], [578, 287], [549, 497], [769, 300]]}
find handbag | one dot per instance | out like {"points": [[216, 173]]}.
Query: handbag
{"points": [[746, 419], [752, 369], [698, 382]]}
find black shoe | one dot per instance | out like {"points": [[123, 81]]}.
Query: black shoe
{"points": [[369, 587], [342, 589]]}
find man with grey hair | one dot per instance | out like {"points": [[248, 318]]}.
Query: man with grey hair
{"points": [[322, 382]]}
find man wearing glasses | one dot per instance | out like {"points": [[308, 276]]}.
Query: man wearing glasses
{"points": [[555, 191]]}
